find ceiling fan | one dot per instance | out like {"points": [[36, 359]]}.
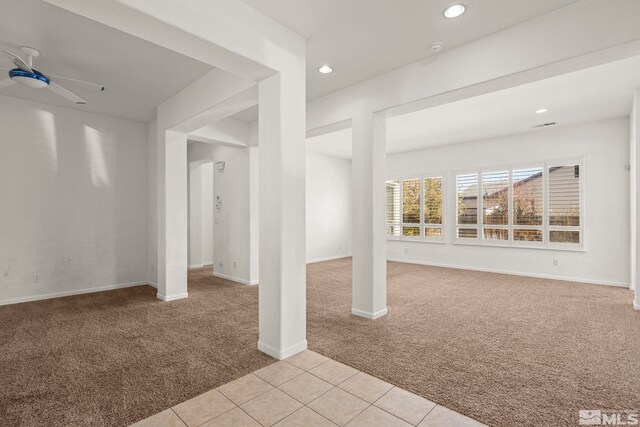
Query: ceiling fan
{"points": [[26, 75]]}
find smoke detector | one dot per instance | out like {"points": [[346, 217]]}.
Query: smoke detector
{"points": [[436, 47]]}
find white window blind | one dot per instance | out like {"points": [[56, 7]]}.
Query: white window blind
{"points": [[432, 189], [530, 206], [495, 205], [564, 204], [411, 207], [415, 208], [467, 209], [393, 208]]}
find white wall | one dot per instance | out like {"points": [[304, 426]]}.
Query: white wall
{"points": [[605, 147], [74, 208], [207, 213], [328, 206], [231, 228], [195, 215], [328, 202]]}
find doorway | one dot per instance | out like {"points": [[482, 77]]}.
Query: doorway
{"points": [[201, 214]]}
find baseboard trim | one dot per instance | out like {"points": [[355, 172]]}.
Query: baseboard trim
{"points": [[282, 354], [369, 315], [173, 297], [235, 279], [331, 258], [72, 293], [516, 273], [204, 264], [636, 305], [152, 284]]}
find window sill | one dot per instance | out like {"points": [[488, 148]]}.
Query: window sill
{"points": [[415, 240], [509, 246]]}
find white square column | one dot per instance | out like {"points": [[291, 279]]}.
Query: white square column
{"points": [[634, 187], [172, 215], [369, 242], [254, 214], [282, 268]]}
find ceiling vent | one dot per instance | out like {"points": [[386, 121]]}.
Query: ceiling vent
{"points": [[543, 125]]}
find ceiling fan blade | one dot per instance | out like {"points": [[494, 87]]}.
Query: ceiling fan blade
{"points": [[65, 93], [5, 83], [95, 85], [18, 62]]}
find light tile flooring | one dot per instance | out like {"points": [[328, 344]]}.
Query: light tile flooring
{"points": [[308, 389]]}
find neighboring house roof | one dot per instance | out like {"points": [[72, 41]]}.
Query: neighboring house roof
{"points": [[471, 192]]}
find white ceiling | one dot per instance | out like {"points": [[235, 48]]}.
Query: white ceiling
{"points": [[598, 93], [364, 38], [248, 115], [138, 75]]}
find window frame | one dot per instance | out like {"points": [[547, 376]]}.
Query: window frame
{"points": [[467, 240], [481, 225], [398, 222], [421, 225], [581, 204], [545, 227]]}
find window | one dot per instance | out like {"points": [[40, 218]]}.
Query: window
{"points": [[415, 208], [527, 205], [433, 207], [564, 204], [393, 208], [467, 196], [411, 207], [533, 206], [495, 205]]}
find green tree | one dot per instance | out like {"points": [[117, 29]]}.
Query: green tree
{"points": [[433, 200]]}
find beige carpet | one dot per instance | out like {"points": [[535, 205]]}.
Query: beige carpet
{"points": [[112, 358], [506, 350]]}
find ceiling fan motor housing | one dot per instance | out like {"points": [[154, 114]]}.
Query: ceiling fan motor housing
{"points": [[34, 80]]}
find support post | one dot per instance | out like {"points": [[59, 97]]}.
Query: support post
{"points": [[369, 289], [634, 188], [172, 215], [282, 299]]}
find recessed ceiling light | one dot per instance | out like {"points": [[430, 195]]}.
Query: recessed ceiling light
{"points": [[325, 69], [454, 11], [541, 110]]}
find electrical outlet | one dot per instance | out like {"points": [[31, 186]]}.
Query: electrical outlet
{"points": [[36, 278], [556, 262], [220, 264], [235, 263], [406, 250]]}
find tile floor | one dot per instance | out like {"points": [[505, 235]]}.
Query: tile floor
{"points": [[307, 389]]}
